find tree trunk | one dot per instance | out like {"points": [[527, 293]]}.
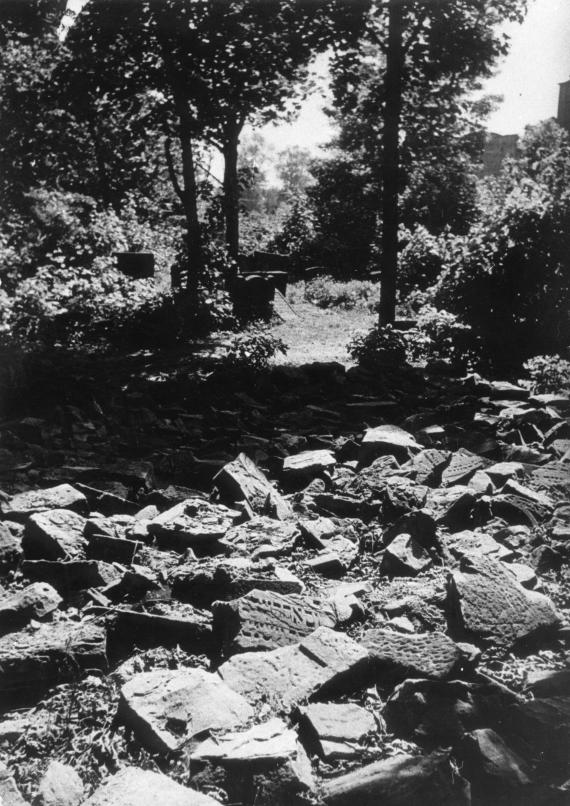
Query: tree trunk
{"points": [[391, 165], [231, 190]]}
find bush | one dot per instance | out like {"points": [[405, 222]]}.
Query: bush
{"points": [[326, 292], [379, 347], [420, 261], [440, 335], [548, 373], [252, 349]]}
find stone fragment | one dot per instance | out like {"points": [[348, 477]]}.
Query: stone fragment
{"points": [[271, 741], [9, 792], [402, 496], [346, 506], [264, 620], [439, 712], [132, 786], [72, 575], [60, 786], [400, 781], [112, 549], [507, 391], [164, 624], [558, 400], [481, 483], [396, 656], [260, 538], [514, 488], [523, 574], [462, 466], [53, 535], [167, 708], [322, 662], [486, 604], [308, 463], [63, 496], [11, 551], [429, 465], [318, 531], [490, 764], [540, 730], [387, 439], [502, 471], [334, 730], [452, 507], [405, 557], [549, 683], [462, 544], [242, 480], [370, 481], [37, 601], [516, 509], [54, 653], [195, 523]]}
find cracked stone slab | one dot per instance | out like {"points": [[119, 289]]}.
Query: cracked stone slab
{"points": [[261, 537], [397, 656], [335, 730], [405, 557], [242, 480], [132, 786], [429, 465], [166, 708], [487, 604], [324, 661], [63, 496], [37, 601], [462, 466], [194, 523], [516, 509], [462, 544], [263, 620], [53, 535], [388, 439]]}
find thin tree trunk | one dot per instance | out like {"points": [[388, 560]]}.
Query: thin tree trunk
{"points": [[231, 191], [391, 163]]}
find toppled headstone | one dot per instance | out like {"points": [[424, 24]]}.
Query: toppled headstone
{"points": [[72, 575], [334, 730], [452, 506], [462, 544], [60, 786], [55, 534], [261, 537], [132, 786], [31, 661], [402, 496], [263, 620], [308, 463], [321, 662], [490, 764], [242, 480], [195, 523], [539, 729], [429, 465], [37, 600], [487, 604], [396, 656], [400, 781], [164, 624], [387, 439], [167, 708], [462, 466], [405, 557], [63, 496]]}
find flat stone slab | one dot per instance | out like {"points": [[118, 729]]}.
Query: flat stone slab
{"points": [[405, 557], [463, 544], [462, 466], [194, 523], [135, 787], [51, 654], [400, 781], [60, 786], [323, 661], [539, 729], [491, 763], [336, 729], [308, 463], [165, 624], [53, 535], [166, 708], [388, 439], [429, 464], [397, 656], [261, 537], [487, 604], [263, 620], [37, 601], [63, 496], [272, 741], [242, 480], [72, 575]]}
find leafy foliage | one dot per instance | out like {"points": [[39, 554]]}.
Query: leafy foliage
{"points": [[383, 346], [548, 373], [252, 349], [326, 292], [440, 335]]}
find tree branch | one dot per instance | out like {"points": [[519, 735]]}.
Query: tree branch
{"points": [[171, 168]]}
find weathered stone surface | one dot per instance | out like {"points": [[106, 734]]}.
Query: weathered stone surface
{"points": [[452, 507], [195, 523], [63, 496], [442, 712], [321, 662], [462, 466], [502, 471], [264, 620], [487, 604], [9, 792], [112, 549], [396, 656], [135, 787], [550, 683], [429, 465], [553, 476], [318, 531], [387, 439], [167, 708], [261, 537], [517, 509], [272, 741], [481, 483], [508, 391], [11, 551], [53, 535], [72, 575], [164, 624], [370, 481], [523, 574], [242, 480], [308, 463], [60, 786], [490, 764], [52, 654], [333, 730], [540, 729], [405, 557], [513, 487], [462, 544], [402, 496], [400, 781], [37, 600]]}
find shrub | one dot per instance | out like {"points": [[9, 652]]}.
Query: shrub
{"points": [[548, 373], [379, 347], [440, 335], [252, 349], [326, 292], [420, 261]]}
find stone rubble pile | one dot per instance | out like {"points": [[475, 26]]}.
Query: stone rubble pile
{"points": [[343, 593]]}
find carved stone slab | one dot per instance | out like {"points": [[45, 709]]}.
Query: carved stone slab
{"points": [[516, 509], [322, 662], [488, 605], [388, 439], [335, 729], [555, 475], [54, 535], [397, 656], [165, 708], [429, 464], [264, 620], [261, 537], [308, 463], [193, 523], [242, 480], [462, 466]]}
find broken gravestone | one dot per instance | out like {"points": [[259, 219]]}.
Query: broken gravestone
{"points": [[260, 538], [64, 496], [242, 480], [55, 534], [36, 601], [194, 523], [396, 657], [335, 730], [135, 787], [405, 557]]}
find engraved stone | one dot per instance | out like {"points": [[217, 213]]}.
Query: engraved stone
{"points": [[462, 466], [553, 475], [261, 537], [322, 662], [429, 465], [242, 480], [464, 543], [387, 439], [166, 708], [308, 463], [335, 729], [518, 510], [54, 535], [396, 656], [194, 523], [263, 620], [487, 604]]}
